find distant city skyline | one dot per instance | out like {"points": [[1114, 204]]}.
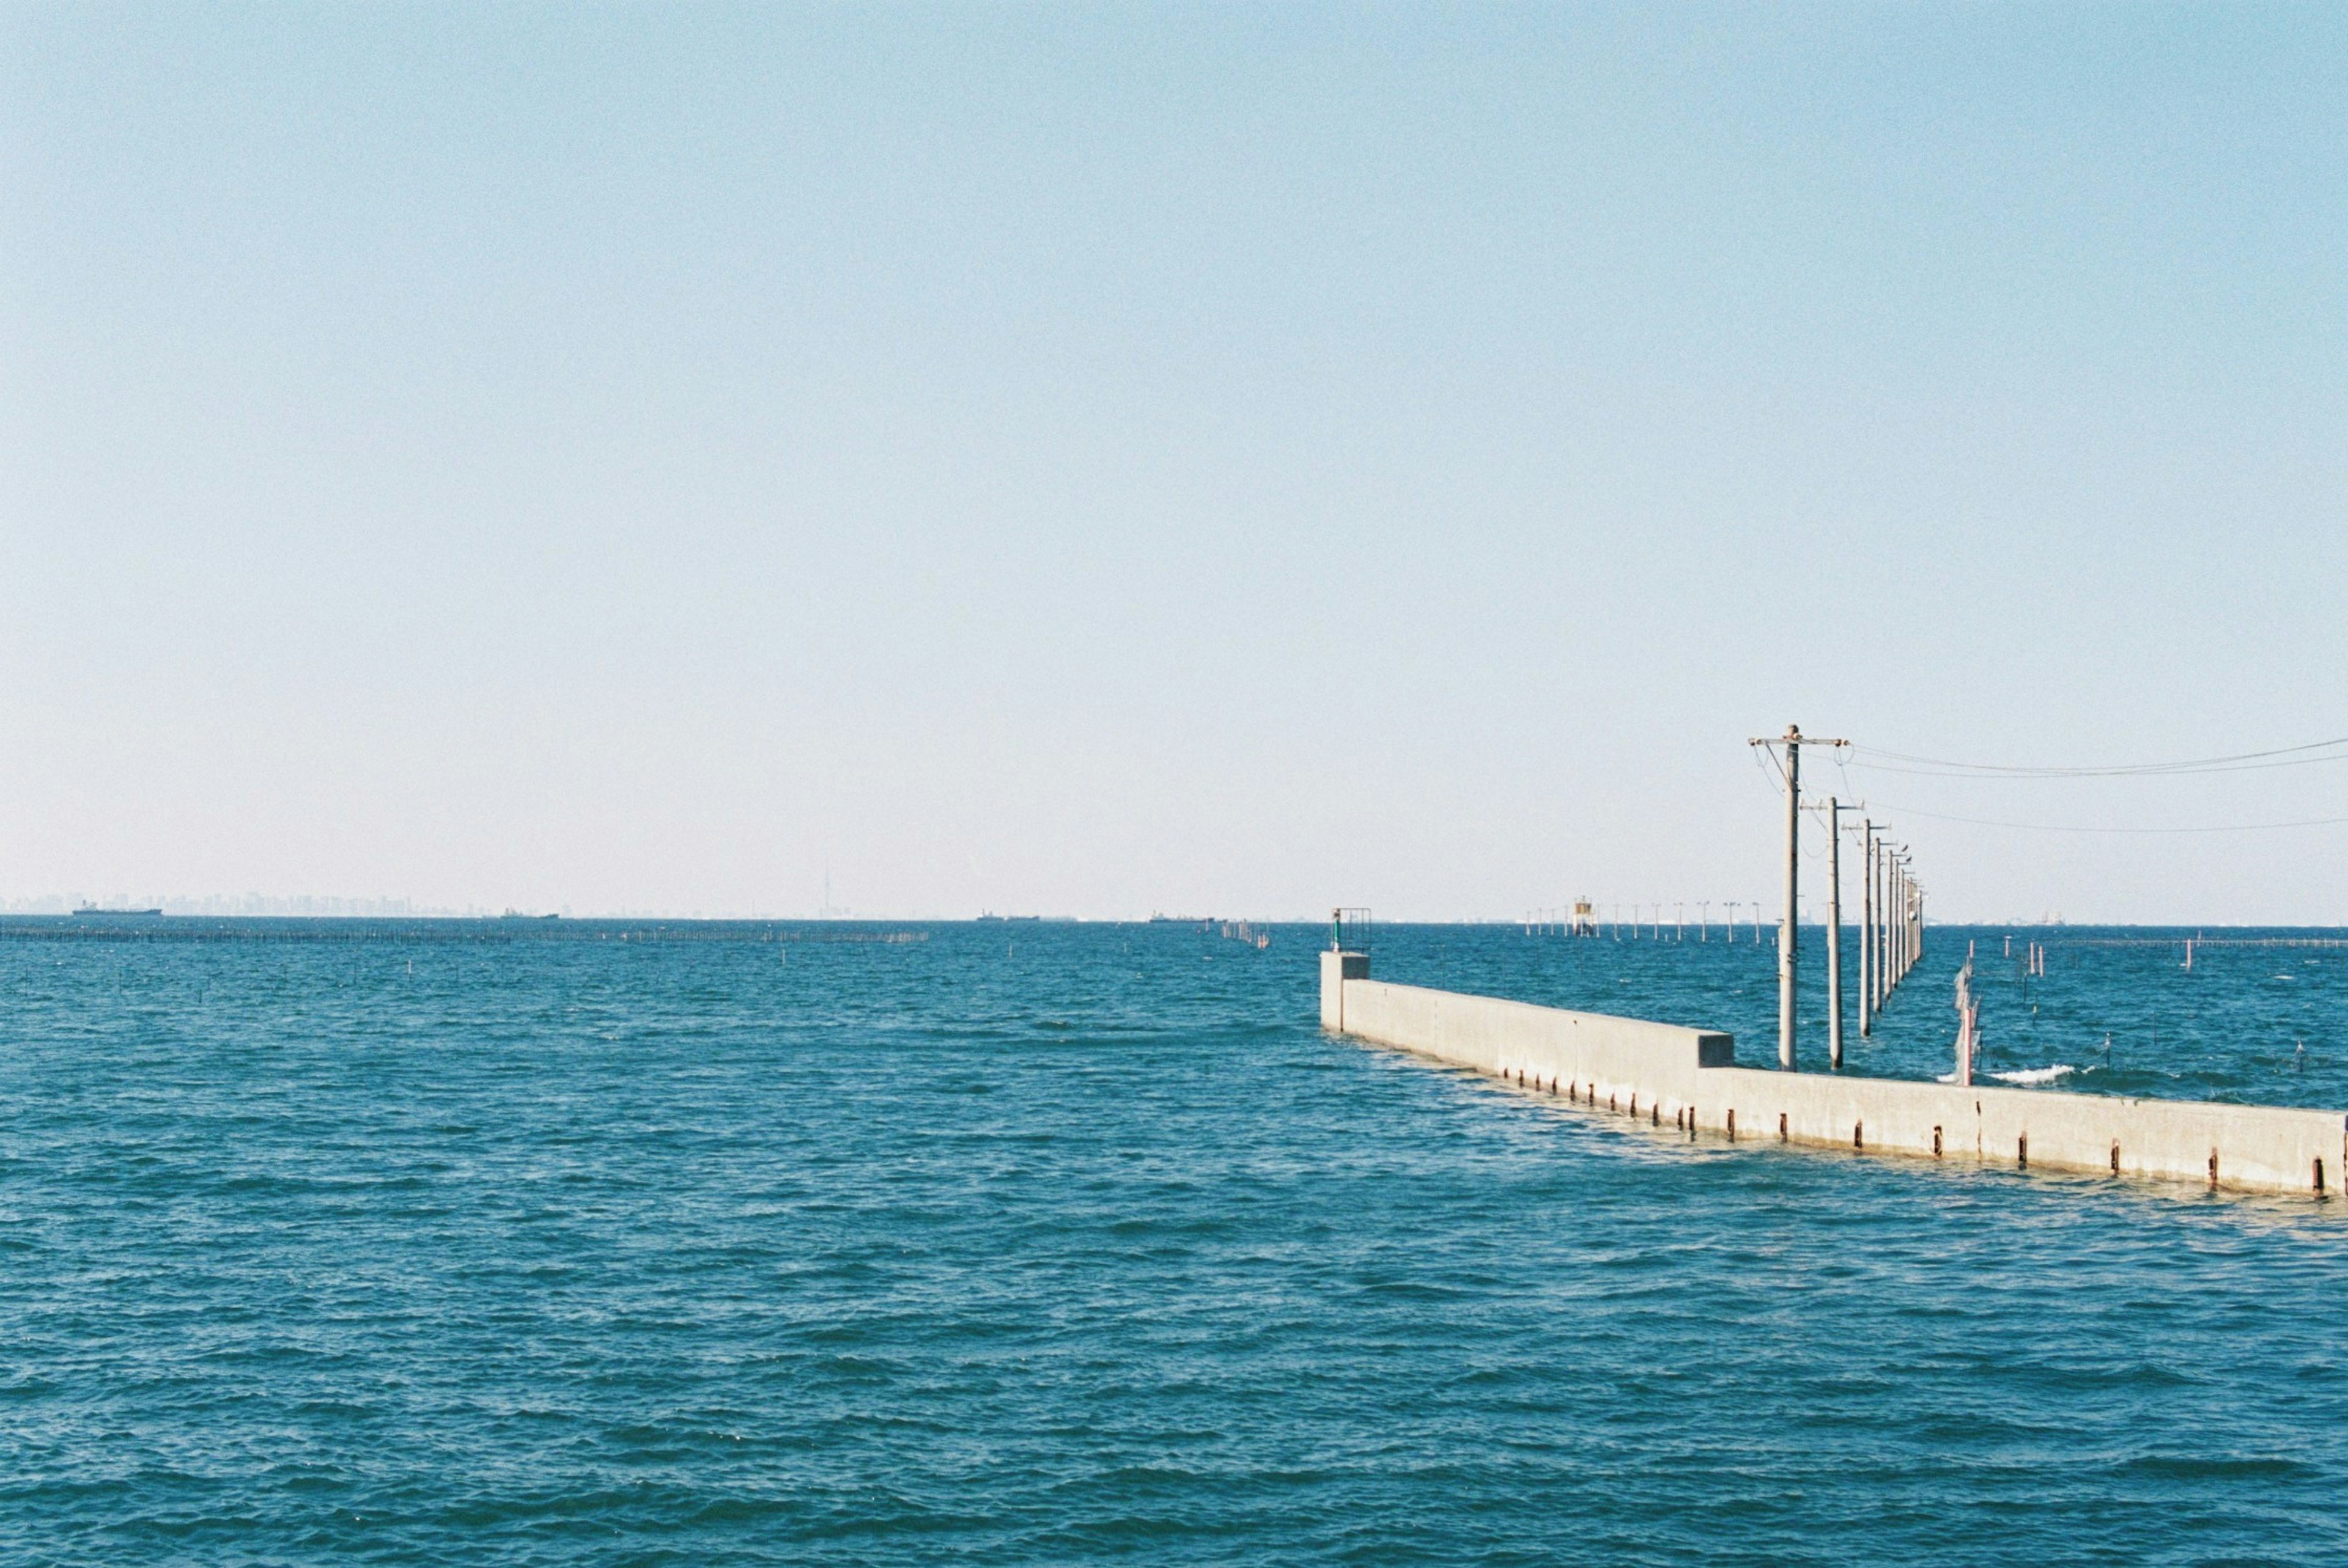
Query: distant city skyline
{"points": [[342, 906], [1090, 460]]}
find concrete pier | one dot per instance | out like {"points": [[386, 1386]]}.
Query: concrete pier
{"points": [[1687, 1077]]}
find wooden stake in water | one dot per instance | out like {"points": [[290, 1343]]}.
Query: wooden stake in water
{"points": [[1968, 1022]]}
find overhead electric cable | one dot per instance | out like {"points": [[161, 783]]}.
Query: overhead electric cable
{"points": [[2066, 827], [1987, 778], [2296, 756]]}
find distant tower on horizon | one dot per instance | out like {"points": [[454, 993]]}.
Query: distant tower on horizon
{"points": [[830, 910]]}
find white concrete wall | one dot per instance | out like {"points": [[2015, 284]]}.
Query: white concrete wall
{"points": [[1587, 1055], [1335, 968], [2256, 1148], [1664, 1073]]}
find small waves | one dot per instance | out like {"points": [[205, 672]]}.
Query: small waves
{"points": [[2030, 1075], [594, 1252], [2025, 1077]]}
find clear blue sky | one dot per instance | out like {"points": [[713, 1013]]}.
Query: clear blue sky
{"points": [[1091, 460]]}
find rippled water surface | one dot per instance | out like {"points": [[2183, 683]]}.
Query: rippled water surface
{"points": [[587, 1243]]}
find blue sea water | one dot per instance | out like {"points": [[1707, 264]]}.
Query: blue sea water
{"points": [[604, 1243]]}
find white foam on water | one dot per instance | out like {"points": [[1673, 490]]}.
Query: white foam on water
{"points": [[2036, 1074]]}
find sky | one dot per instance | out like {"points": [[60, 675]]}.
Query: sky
{"points": [[1098, 460]]}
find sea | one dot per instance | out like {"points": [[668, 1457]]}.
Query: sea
{"points": [[669, 1242]]}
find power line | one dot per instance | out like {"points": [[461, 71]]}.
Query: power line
{"points": [[2018, 777], [2198, 764], [2065, 827]]}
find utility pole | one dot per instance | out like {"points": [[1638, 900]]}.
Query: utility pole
{"points": [[1891, 975], [1875, 917], [1891, 903], [1834, 933], [1866, 928], [1788, 927], [1899, 921], [1899, 927], [1789, 934], [1907, 922], [1883, 872]]}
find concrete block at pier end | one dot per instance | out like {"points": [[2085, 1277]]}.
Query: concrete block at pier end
{"points": [[1337, 968]]}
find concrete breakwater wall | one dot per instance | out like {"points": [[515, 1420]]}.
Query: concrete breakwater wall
{"points": [[1687, 1077]]}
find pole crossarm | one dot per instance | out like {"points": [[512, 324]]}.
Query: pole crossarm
{"points": [[1891, 903], [1789, 931]]}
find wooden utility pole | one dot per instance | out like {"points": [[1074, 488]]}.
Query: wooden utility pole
{"points": [[1892, 925], [1875, 928], [1834, 933], [1866, 928], [1907, 922], [1882, 926], [1789, 924], [1899, 929], [1789, 934]]}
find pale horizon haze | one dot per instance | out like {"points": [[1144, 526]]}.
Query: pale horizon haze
{"points": [[1213, 459]]}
